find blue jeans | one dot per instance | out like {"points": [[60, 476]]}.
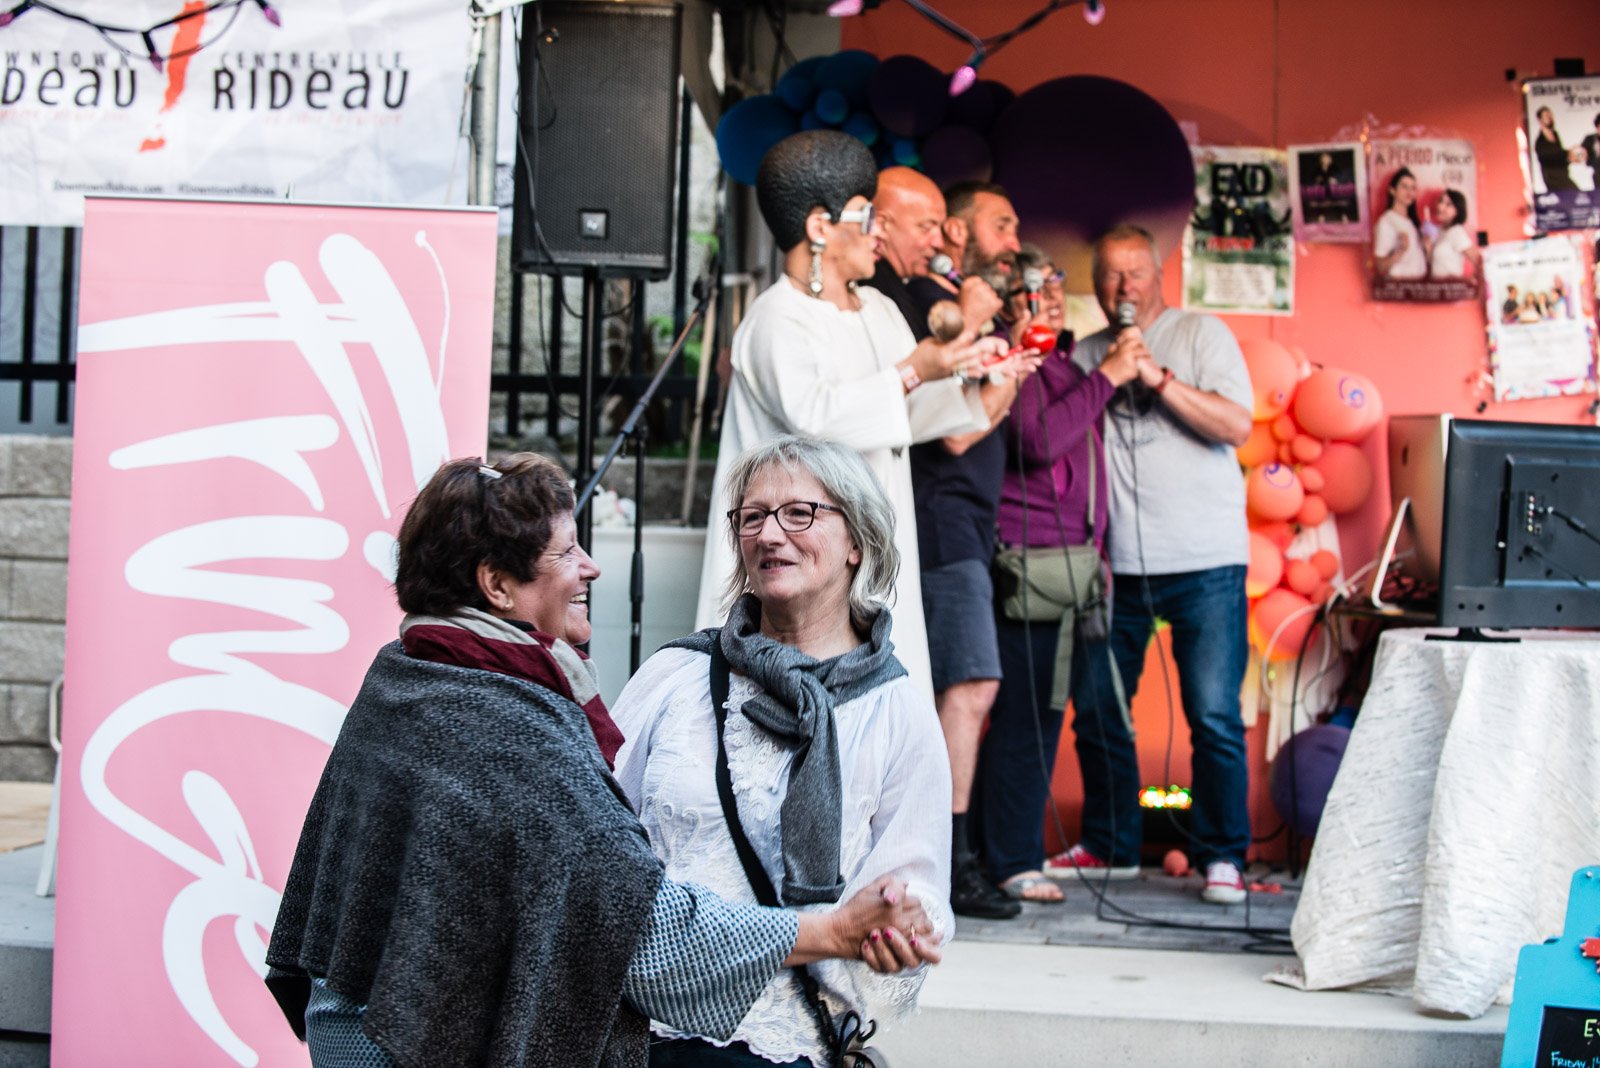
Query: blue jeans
{"points": [[1207, 613], [1018, 756]]}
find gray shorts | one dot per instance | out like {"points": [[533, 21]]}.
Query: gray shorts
{"points": [[958, 603]]}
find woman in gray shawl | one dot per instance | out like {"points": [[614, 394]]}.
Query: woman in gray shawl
{"points": [[470, 885], [833, 768]]}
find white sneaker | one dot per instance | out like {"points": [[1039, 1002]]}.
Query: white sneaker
{"points": [[1224, 884]]}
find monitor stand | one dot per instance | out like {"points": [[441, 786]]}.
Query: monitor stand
{"points": [[1473, 634]]}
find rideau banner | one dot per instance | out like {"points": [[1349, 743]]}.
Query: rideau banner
{"points": [[262, 389], [344, 100]]}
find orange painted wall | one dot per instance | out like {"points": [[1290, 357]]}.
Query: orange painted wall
{"points": [[1277, 72]]}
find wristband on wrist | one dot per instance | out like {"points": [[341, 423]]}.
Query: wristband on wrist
{"points": [[1166, 377], [909, 377]]}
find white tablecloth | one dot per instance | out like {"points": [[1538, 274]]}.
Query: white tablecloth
{"points": [[1469, 794]]}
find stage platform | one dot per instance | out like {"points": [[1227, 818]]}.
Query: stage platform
{"points": [[1056, 987]]}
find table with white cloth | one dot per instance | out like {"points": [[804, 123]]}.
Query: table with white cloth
{"points": [[1468, 795]]}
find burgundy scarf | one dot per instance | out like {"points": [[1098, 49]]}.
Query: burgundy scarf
{"points": [[472, 638]]}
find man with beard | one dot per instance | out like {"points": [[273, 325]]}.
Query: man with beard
{"points": [[956, 482]]}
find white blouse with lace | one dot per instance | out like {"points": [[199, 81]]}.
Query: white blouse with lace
{"points": [[896, 819]]}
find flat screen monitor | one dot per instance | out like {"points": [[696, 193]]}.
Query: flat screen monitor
{"points": [[1417, 445], [1521, 532]]}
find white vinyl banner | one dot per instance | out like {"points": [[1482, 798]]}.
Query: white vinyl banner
{"points": [[342, 100]]}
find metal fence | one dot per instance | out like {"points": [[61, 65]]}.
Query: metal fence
{"points": [[38, 326]]}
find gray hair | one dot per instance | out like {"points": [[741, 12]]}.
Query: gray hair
{"points": [[1125, 232], [868, 515]]}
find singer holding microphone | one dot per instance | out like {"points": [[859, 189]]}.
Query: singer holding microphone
{"points": [[1178, 548], [819, 357], [1052, 523]]}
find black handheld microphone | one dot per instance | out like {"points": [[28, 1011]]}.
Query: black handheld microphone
{"points": [[1127, 315], [1132, 396], [1033, 284]]}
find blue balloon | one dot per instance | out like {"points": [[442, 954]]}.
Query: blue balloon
{"points": [[798, 86], [832, 106], [812, 121], [905, 152], [748, 130], [848, 72], [862, 127]]}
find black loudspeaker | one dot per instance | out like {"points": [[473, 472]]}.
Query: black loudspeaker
{"points": [[597, 138]]}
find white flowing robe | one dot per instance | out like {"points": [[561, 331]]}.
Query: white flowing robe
{"points": [[803, 366]]}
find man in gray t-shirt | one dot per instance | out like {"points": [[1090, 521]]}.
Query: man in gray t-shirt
{"points": [[1178, 547]]}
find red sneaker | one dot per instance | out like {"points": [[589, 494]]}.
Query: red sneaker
{"points": [[1224, 884], [1079, 859]]}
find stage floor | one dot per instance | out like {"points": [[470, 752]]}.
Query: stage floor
{"points": [[1154, 911]]}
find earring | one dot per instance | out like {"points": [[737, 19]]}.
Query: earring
{"points": [[815, 285]]}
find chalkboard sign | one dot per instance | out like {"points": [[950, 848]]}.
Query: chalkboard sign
{"points": [[1569, 1038]]}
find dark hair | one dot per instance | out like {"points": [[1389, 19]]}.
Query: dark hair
{"points": [[1411, 209], [1458, 200], [808, 170], [470, 514], [960, 197]]}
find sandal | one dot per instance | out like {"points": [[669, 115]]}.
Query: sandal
{"points": [[1033, 886]]}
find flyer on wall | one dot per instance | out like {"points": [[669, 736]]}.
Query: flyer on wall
{"points": [[1541, 317], [1328, 188], [1563, 117], [1425, 221], [1238, 252]]}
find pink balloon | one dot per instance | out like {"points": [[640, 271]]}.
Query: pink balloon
{"points": [[1259, 448], [1273, 374], [1266, 565], [1332, 404], [1306, 448], [1300, 576], [1346, 477], [1274, 492], [1273, 611]]}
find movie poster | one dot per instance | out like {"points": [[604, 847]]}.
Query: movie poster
{"points": [[1541, 318], [1328, 188], [1563, 116], [1238, 252], [1425, 221]]}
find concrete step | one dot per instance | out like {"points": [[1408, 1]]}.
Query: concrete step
{"points": [[1062, 1006]]}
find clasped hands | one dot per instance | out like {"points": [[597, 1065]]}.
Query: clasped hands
{"points": [[1127, 358], [885, 926]]}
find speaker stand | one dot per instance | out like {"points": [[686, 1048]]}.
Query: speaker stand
{"points": [[588, 355]]}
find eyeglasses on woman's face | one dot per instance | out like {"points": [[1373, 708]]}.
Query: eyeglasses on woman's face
{"points": [[793, 516], [863, 215]]}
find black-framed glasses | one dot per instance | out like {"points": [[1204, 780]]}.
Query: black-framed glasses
{"points": [[793, 516]]}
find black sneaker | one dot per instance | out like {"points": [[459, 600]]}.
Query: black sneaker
{"points": [[973, 895]]}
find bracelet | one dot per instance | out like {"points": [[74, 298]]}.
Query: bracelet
{"points": [[909, 377], [1166, 376]]}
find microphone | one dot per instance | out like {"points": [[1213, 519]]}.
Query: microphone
{"points": [[1033, 283], [1127, 315], [944, 267], [1132, 396]]}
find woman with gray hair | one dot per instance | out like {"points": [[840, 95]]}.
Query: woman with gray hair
{"points": [[787, 758]]}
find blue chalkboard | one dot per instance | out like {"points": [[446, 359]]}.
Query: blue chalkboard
{"points": [[1555, 1004]]}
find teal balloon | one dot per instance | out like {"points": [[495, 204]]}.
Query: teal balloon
{"points": [[748, 130], [798, 86], [862, 127], [812, 121], [905, 152], [849, 72], [832, 106]]}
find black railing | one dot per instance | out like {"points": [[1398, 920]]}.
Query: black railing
{"points": [[38, 345], [38, 327]]}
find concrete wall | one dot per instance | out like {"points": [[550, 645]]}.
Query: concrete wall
{"points": [[35, 484]]}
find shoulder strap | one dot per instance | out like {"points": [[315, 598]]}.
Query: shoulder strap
{"points": [[753, 871]]}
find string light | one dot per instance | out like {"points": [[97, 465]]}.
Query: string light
{"points": [[145, 34], [1094, 13]]}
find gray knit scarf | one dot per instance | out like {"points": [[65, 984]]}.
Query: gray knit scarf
{"points": [[795, 706]]}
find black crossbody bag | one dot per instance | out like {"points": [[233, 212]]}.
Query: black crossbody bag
{"points": [[845, 1044]]}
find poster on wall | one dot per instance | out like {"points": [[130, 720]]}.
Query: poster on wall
{"points": [[1238, 251], [1563, 117], [299, 372], [1328, 188], [1425, 221], [1541, 315], [331, 100]]}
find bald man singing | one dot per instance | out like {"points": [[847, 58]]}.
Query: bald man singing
{"points": [[912, 228]]}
